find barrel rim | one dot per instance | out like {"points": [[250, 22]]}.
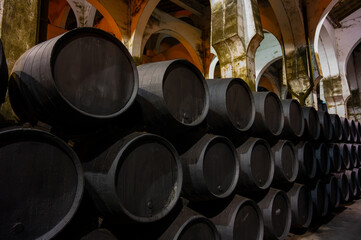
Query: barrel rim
{"points": [[295, 165], [26, 133], [290, 102], [228, 142], [253, 108], [117, 163], [329, 188], [322, 147], [274, 96], [59, 45], [332, 147], [306, 115], [289, 212], [298, 188], [197, 219], [335, 119], [194, 69], [301, 146]]}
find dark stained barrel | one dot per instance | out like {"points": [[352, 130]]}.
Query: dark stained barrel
{"points": [[269, 118], [301, 205], [319, 198], [231, 106], [326, 125], [286, 163], [172, 94], [312, 123], [306, 160], [337, 127], [353, 155], [358, 178], [256, 165], [293, 119], [98, 234], [42, 184], [352, 182], [334, 157], [346, 135], [358, 152], [138, 178], [343, 186], [210, 169], [276, 211], [4, 74], [83, 77], [353, 131], [358, 127], [323, 161], [333, 192], [345, 156], [190, 225], [240, 219]]}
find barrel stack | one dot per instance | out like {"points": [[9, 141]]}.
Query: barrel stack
{"points": [[159, 152]]}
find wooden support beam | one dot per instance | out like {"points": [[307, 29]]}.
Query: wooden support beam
{"points": [[190, 5]]}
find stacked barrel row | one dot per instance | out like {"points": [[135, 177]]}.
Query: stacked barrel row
{"points": [[158, 152]]}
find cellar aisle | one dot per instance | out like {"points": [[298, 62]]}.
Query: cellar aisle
{"points": [[345, 224]]}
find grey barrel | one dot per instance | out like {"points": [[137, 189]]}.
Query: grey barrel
{"points": [[326, 125], [83, 77], [333, 192], [345, 156], [323, 160], [231, 106], [319, 198], [337, 127], [346, 134], [343, 186], [312, 123], [352, 182], [138, 178], [210, 169], [42, 184], [307, 161], [293, 119]]}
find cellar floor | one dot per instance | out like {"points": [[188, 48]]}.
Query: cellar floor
{"points": [[343, 224]]}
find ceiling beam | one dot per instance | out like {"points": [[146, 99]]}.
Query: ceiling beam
{"points": [[191, 5]]}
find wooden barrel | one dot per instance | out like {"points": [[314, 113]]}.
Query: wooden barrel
{"points": [[269, 118], [231, 106], [4, 74], [276, 211], [343, 186], [307, 161], [333, 192], [353, 131], [352, 182], [293, 119], [334, 157], [326, 125], [358, 127], [240, 219], [345, 156], [286, 163], [319, 198], [312, 123], [353, 155], [173, 95], [337, 127], [358, 153], [346, 135], [358, 180], [210, 169], [82, 77], [100, 233], [42, 184], [256, 165], [323, 161], [138, 178], [301, 205]]}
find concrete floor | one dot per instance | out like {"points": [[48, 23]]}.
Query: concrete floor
{"points": [[343, 224]]}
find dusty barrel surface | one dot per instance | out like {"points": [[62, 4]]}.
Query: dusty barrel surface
{"points": [[276, 211], [256, 165], [269, 118], [172, 94], [337, 127], [82, 77], [138, 178], [210, 169], [333, 192], [345, 156], [343, 186], [346, 134], [334, 157], [319, 198], [240, 219], [326, 125], [301, 205], [293, 119], [307, 161], [323, 161], [4, 74], [42, 184], [312, 123], [231, 105], [286, 163]]}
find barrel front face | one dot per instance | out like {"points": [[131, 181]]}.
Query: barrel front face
{"points": [[307, 160], [353, 131], [248, 223], [346, 135], [198, 228], [42, 184], [333, 192], [323, 159], [94, 73], [262, 165], [326, 125], [273, 114], [352, 182], [185, 93], [240, 105], [281, 215], [335, 157], [286, 164], [148, 178], [295, 118], [337, 127], [304, 207], [312, 123], [220, 167], [345, 156], [320, 198]]}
